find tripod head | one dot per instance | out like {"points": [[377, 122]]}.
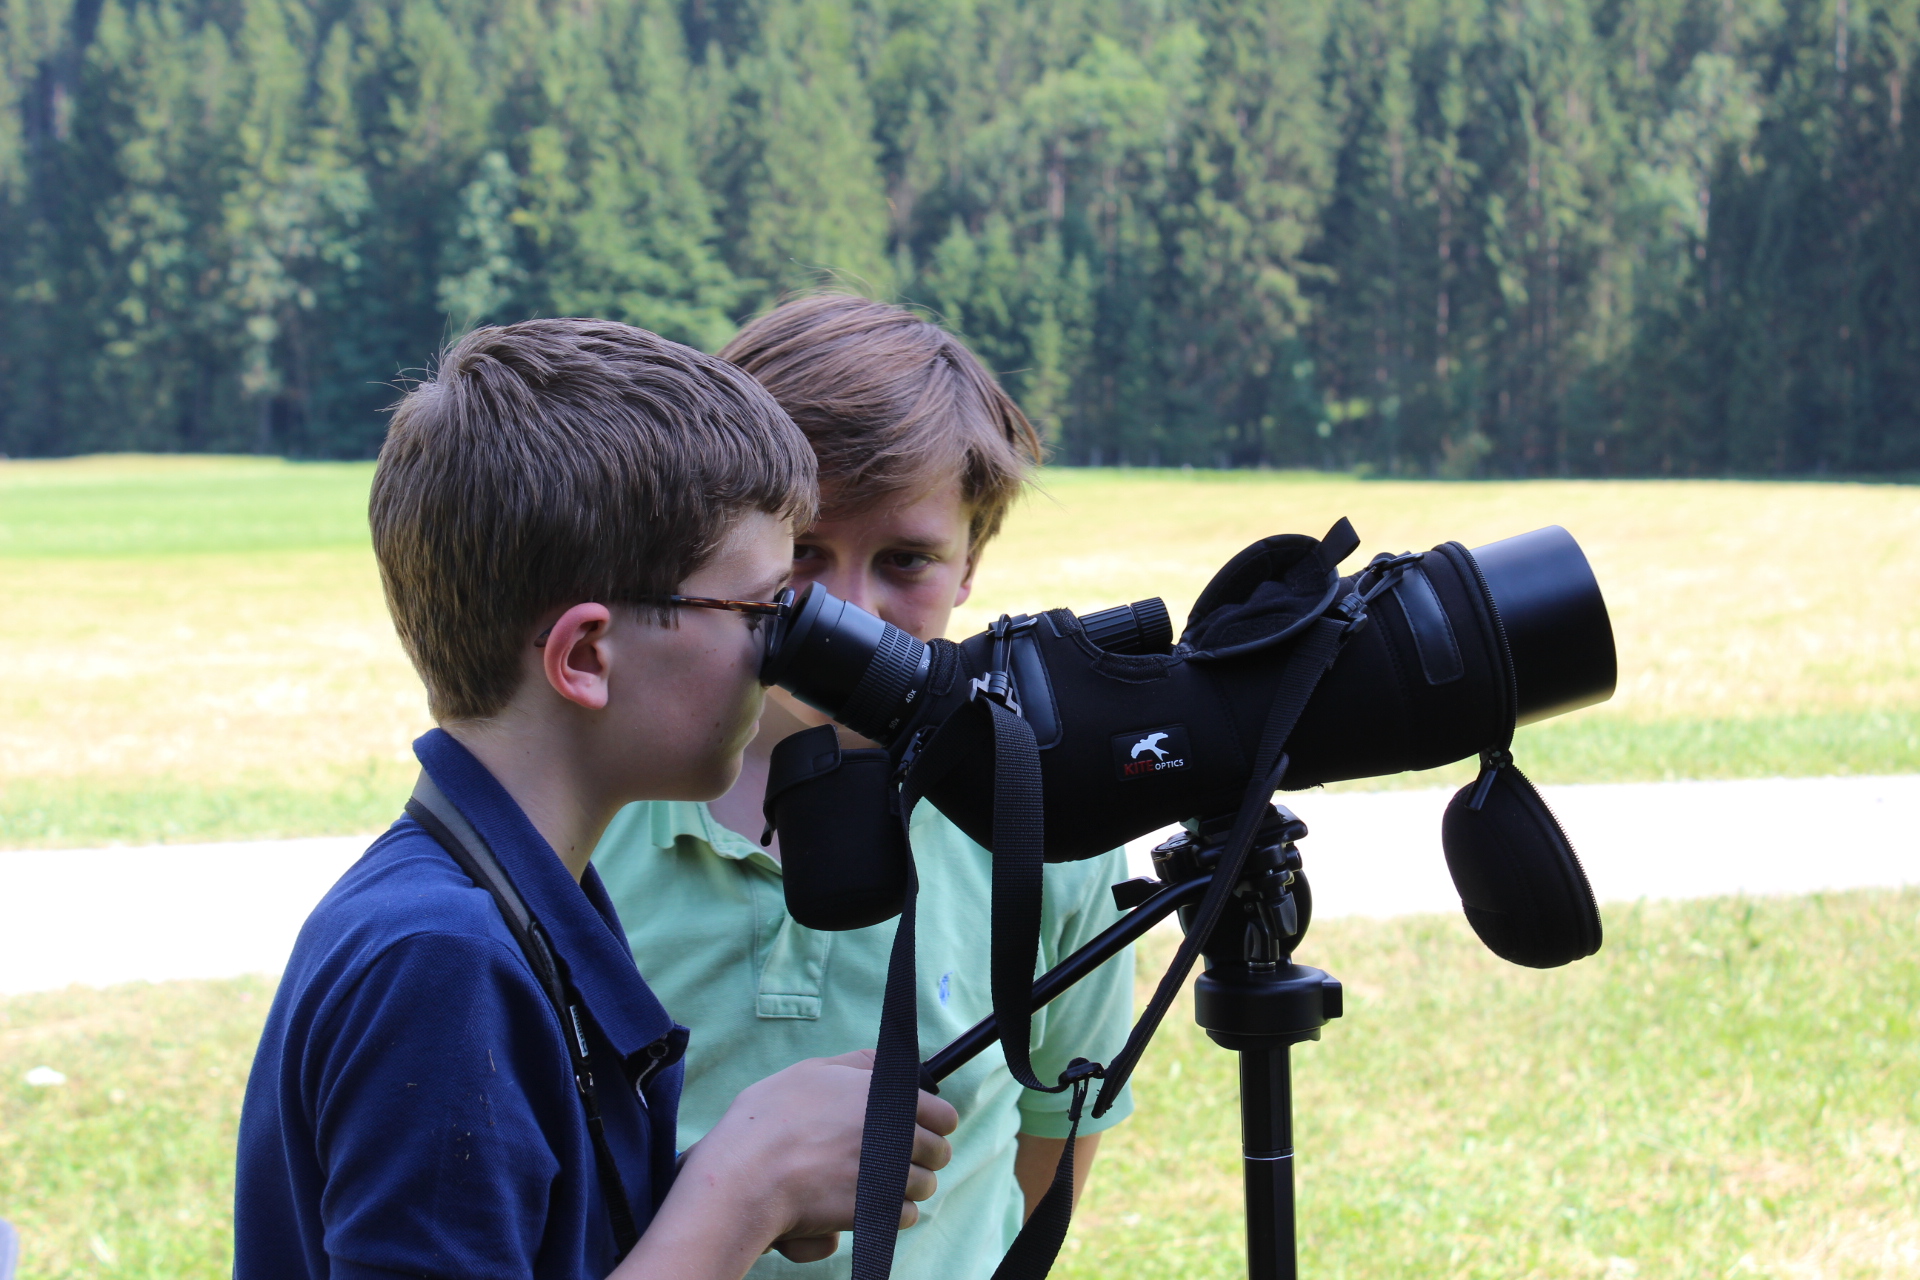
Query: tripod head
{"points": [[1252, 995], [1274, 900]]}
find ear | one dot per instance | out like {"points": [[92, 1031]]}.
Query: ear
{"points": [[574, 656]]}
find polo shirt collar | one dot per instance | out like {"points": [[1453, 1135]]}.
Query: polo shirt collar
{"points": [[579, 919], [675, 818]]}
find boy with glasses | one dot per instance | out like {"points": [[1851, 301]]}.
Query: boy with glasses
{"points": [[463, 1076]]}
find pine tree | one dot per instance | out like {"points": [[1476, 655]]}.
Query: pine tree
{"points": [[1453, 237]]}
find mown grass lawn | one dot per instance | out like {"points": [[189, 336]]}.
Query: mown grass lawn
{"points": [[1730, 1088], [196, 648]]}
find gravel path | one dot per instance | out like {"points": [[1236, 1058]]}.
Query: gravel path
{"points": [[100, 916], [1378, 853]]}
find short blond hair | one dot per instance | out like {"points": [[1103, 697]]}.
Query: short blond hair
{"points": [[891, 404]]}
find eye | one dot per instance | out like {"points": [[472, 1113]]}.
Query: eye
{"points": [[907, 561], [803, 552]]}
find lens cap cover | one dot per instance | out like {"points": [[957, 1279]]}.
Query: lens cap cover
{"points": [[1520, 882], [1268, 593], [843, 854]]}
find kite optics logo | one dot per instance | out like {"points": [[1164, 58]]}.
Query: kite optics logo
{"points": [[1146, 752], [1149, 743]]}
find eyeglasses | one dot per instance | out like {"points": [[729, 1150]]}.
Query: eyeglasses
{"points": [[778, 607], [781, 606]]}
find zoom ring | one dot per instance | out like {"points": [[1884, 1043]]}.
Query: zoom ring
{"points": [[874, 708]]}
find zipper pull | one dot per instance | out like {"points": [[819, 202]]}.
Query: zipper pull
{"points": [[910, 754], [1491, 763]]}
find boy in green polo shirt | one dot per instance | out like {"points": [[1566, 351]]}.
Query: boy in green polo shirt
{"points": [[921, 453]]}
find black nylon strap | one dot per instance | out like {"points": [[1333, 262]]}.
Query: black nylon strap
{"points": [[1019, 877], [1019, 867], [893, 1093], [886, 1148], [443, 821], [626, 1232], [1305, 666], [1033, 1251]]}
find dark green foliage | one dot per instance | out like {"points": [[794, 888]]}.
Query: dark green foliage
{"points": [[1449, 237]]}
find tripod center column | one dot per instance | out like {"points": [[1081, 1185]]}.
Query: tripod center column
{"points": [[1266, 1144]]}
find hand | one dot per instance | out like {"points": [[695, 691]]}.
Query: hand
{"points": [[793, 1140], [779, 1171]]}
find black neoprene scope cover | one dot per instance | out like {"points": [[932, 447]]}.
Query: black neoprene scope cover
{"points": [[1520, 882], [843, 851]]}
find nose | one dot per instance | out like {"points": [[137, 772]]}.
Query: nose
{"points": [[854, 585]]}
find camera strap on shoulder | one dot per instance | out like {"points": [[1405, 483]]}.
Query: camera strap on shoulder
{"points": [[443, 820]]}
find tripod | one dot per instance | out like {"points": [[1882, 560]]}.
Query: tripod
{"points": [[1251, 998]]}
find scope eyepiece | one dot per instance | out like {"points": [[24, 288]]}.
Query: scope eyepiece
{"points": [[847, 664]]}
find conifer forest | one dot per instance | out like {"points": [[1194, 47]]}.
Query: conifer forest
{"points": [[1418, 237]]}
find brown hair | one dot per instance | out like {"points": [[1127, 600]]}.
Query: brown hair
{"points": [[559, 461], [891, 404]]}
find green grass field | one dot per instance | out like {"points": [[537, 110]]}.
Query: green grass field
{"points": [[1728, 1089], [196, 648]]}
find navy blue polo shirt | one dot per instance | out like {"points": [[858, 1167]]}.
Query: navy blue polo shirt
{"points": [[412, 1109]]}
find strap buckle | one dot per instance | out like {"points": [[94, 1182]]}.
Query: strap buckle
{"points": [[1491, 763], [1350, 609], [911, 753], [1079, 1077], [995, 686], [1384, 566], [1080, 1069]]}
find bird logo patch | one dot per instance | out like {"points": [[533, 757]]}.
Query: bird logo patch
{"points": [[1146, 753]]}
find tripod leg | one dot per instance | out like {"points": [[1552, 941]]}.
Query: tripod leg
{"points": [[1266, 1140]]}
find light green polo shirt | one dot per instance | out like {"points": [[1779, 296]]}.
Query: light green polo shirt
{"points": [[707, 920]]}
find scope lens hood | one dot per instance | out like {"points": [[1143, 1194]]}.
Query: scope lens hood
{"points": [[1555, 620]]}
